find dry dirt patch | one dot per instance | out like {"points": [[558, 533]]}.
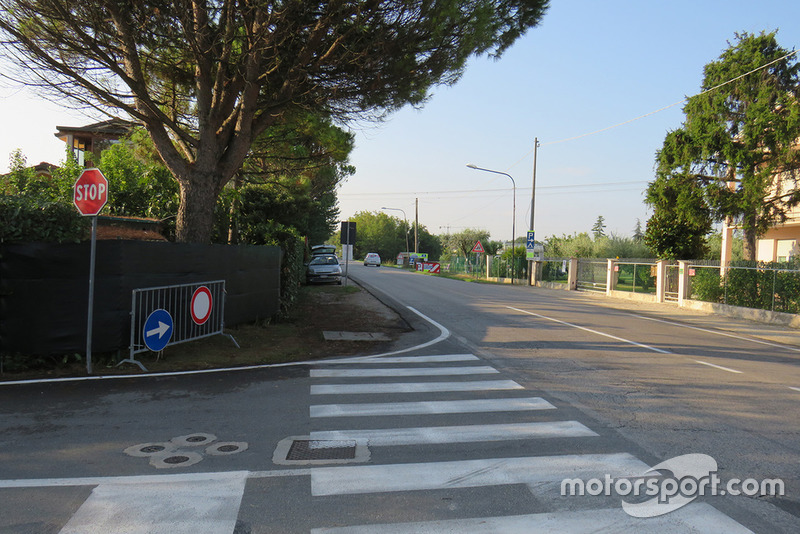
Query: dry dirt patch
{"points": [[294, 338]]}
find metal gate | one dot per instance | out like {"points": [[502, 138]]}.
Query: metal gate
{"points": [[671, 280], [592, 275], [197, 311]]}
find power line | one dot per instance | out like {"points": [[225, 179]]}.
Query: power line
{"points": [[485, 191], [573, 138]]}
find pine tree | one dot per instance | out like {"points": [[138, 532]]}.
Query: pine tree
{"points": [[599, 228]]}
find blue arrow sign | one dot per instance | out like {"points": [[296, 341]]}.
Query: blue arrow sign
{"points": [[157, 330], [529, 243]]}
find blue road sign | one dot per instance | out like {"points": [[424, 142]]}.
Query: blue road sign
{"points": [[157, 330], [529, 243]]}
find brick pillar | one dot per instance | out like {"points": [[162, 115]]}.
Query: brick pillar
{"points": [[661, 279], [572, 275], [611, 279], [683, 281]]}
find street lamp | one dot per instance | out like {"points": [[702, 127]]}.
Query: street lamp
{"points": [[513, 213], [406, 219]]}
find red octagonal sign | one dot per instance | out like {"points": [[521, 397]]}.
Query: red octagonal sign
{"points": [[91, 192]]}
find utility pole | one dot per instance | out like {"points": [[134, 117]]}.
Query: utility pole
{"points": [[533, 189], [416, 227], [533, 205]]}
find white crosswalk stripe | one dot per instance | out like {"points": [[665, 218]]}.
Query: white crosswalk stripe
{"points": [[430, 407], [439, 358], [458, 434], [543, 473], [471, 473], [208, 504], [413, 387], [403, 371], [694, 518]]}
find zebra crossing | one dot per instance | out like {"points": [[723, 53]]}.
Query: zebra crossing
{"points": [[437, 429], [356, 393]]}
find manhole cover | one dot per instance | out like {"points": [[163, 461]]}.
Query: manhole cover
{"points": [[226, 448], [193, 440], [152, 448], [321, 450], [176, 459]]}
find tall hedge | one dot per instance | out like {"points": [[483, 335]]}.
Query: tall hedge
{"points": [[29, 219]]}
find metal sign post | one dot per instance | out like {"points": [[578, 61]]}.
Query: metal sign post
{"points": [[348, 237], [90, 314]]}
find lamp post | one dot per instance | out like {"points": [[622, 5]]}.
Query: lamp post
{"points": [[406, 219], [513, 213]]}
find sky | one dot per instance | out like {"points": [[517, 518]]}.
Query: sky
{"points": [[617, 70]]}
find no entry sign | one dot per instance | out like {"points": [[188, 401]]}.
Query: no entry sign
{"points": [[201, 305], [90, 193]]}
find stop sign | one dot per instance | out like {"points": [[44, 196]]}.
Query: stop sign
{"points": [[90, 192]]}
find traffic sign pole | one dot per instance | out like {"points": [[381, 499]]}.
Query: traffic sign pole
{"points": [[90, 315]]}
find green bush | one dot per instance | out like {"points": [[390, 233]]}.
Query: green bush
{"points": [[707, 285], [787, 291], [758, 285], [27, 219]]}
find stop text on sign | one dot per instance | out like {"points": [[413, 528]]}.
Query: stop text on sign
{"points": [[89, 192]]}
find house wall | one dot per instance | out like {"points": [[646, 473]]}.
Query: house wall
{"points": [[779, 242]]}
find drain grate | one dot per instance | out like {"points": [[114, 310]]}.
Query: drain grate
{"points": [[305, 449], [302, 450]]}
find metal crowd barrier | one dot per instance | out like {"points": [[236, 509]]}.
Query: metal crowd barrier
{"points": [[179, 313]]}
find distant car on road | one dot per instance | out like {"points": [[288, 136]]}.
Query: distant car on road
{"points": [[372, 259], [324, 268]]}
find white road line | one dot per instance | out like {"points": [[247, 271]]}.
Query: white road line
{"points": [[413, 387], [459, 434], [794, 388], [696, 517], [430, 407], [444, 333], [208, 505], [471, 473], [719, 367], [718, 333], [641, 345], [128, 480], [403, 371], [190, 478]]}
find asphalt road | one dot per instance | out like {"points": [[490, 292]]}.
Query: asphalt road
{"points": [[506, 391], [666, 386]]}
